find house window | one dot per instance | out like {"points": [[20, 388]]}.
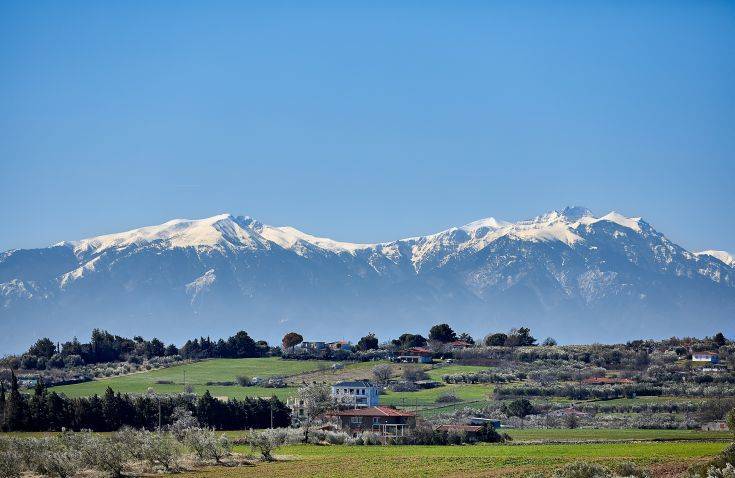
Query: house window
{"points": [[376, 420], [356, 420]]}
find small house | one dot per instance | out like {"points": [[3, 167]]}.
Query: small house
{"points": [[340, 345], [358, 393], [460, 344], [715, 426], [710, 357], [416, 355], [389, 422], [313, 345], [482, 421]]}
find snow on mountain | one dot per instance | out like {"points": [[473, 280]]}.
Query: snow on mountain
{"points": [[723, 256], [568, 273]]}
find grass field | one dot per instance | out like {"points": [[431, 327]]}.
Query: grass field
{"points": [[198, 374], [458, 461], [580, 434]]}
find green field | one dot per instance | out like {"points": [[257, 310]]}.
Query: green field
{"points": [[458, 461], [198, 374], [577, 434]]}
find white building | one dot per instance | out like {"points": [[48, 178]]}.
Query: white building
{"points": [[359, 393], [710, 357]]}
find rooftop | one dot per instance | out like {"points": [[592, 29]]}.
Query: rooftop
{"points": [[374, 412], [354, 383]]}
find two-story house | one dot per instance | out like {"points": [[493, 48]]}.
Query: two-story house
{"points": [[356, 394]]}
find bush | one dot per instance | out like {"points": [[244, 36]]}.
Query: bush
{"points": [[54, 458], [404, 387], [10, 462], [630, 470], [583, 469], [448, 397], [243, 381]]}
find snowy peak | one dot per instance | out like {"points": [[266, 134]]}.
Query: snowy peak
{"points": [[222, 230], [723, 256]]}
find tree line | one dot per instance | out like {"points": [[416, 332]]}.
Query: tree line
{"points": [[106, 347], [49, 411]]}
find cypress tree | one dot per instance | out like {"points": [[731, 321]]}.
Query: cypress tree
{"points": [[15, 413]]}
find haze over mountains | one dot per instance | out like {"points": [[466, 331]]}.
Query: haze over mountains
{"points": [[567, 274]]}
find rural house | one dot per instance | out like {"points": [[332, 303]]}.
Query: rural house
{"points": [[387, 421], [416, 355], [710, 357], [359, 393]]}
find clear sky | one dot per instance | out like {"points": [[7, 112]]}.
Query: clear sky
{"points": [[365, 121]]}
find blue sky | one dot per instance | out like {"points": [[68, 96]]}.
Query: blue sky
{"points": [[365, 121]]}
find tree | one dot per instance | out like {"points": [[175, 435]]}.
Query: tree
{"points": [[369, 342], [442, 333], [571, 420], [730, 419], [317, 400], [291, 340], [265, 442], [43, 348], [719, 339], [382, 373], [520, 408], [465, 337], [549, 342], [409, 340], [520, 338], [495, 340], [14, 417]]}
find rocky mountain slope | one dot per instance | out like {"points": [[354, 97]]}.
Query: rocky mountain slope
{"points": [[566, 273]]}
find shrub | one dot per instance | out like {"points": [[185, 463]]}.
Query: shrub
{"points": [[10, 463], [630, 470], [243, 381], [447, 397], [583, 469], [404, 387], [54, 458], [727, 472]]}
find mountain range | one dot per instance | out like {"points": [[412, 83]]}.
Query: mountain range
{"points": [[567, 274]]}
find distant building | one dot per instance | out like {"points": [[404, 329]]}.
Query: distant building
{"points": [[481, 421], [387, 421], [460, 344], [358, 393], [710, 357], [715, 426], [313, 345], [416, 355], [340, 345]]}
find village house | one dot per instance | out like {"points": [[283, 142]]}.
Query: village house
{"points": [[340, 345], [313, 345], [416, 355], [389, 422], [358, 393], [715, 426], [459, 344], [710, 357]]}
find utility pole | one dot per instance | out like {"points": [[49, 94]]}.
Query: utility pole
{"points": [[271, 407]]}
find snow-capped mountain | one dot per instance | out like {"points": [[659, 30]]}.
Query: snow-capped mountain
{"points": [[568, 274]]}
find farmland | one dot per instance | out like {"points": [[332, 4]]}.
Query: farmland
{"points": [[174, 379], [475, 460]]}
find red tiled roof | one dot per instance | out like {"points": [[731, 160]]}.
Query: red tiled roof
{"points": [[460, 343], [374, 412]]}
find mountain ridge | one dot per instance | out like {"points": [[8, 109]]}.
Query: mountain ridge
{"points": [[553, 271]]}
